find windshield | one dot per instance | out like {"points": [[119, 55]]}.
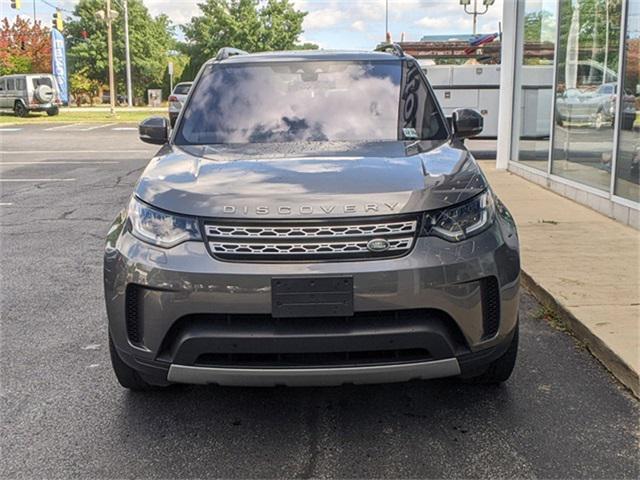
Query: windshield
{"points": [[298, 101]]}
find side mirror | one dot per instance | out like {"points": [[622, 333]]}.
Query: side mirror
{"points": [[154, 130], [466, 123]]}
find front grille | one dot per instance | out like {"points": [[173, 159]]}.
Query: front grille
{"points": [[340, 239], [490, 292]]}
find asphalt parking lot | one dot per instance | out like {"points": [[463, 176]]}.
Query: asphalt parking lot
{"points": [[561, 415]]}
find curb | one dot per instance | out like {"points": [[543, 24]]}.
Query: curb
{"points": [[599, 349]]}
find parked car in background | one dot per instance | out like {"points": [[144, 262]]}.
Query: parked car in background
{"points": [[596, 108], [177, 99], [120, 99], [26, 93]]}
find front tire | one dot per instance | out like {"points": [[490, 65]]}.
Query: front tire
{"points": [[53, 111], [127, 376], [501, 368]]}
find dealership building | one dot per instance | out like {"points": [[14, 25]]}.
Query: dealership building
{"points": [[570, 117]]}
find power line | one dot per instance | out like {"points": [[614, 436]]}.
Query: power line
{"points": [[56, 7]]}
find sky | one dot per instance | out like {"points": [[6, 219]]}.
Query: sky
{"points": [[332, 24]]}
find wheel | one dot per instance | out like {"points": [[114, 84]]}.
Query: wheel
{"points": [[127, 376], [500, 369], [20, 110], [53, 111], [599, 121]]}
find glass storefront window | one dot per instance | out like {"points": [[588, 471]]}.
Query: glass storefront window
{"points": [[586, 89], [536, 83], [628, 160]]}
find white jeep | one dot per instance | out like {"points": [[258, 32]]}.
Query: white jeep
{"points": [[33, 92]]}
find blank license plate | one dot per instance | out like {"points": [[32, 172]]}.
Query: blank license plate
{"points": [[312, 297]]}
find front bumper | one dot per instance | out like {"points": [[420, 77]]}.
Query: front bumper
{"points": [[201, 320]]}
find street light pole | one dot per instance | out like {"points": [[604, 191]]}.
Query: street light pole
{"points": [[475, 12], [112, 83], [127, 54]]}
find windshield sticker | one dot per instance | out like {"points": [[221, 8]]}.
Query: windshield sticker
{"points": [[410, 133]]}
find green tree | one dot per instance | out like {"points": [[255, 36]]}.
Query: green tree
{"points": [[250, 25], [151, 40], [83, 89]]}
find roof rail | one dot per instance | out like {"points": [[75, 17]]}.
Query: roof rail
{"points": [[226, 52], [394, 48]]}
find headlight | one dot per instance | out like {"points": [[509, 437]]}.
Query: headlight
{"points": [[160, 228], [460, 222]]}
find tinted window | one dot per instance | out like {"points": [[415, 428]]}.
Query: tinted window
{"points": [[294, 101], [2, 85], [419, 114], [182, 89], [11, 85], [21, 84], [42, 81]]}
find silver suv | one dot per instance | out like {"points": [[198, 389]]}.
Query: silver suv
{"points": [[26, 93], [313, 219]]}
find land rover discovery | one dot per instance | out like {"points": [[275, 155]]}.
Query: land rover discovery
{"points": [[312, 219]]}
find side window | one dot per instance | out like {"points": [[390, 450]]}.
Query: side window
{"points": [[21, 84], [11, 84], [419, 115], [2, 85]]}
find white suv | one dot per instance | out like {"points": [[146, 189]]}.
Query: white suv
{"points": [[26, 93]]}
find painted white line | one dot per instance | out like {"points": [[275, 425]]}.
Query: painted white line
{"points": [[4, 204], [60, 127], [58, 163], [95, 127], [35, 152], [37, 179], [10, 129], [122, 129]]}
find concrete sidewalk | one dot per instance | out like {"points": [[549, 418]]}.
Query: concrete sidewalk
{"points": [[584, 265]]}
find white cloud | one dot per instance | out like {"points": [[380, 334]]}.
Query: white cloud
{"points": [[359, 26], [179, 12], [322, 19], [443, 24]]}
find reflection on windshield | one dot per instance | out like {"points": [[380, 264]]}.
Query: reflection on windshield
{"points": [[294, 101]]}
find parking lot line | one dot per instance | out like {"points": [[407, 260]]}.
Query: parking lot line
{"points": [[123, 129], [37, 179], [60, 127], [59, 163], [35, 152], [10, 129], [5, 204], [95, 127]]}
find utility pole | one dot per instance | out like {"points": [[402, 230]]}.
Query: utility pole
{"points": [[127, 54], [386, 20], [112, 83], [34, 12]]}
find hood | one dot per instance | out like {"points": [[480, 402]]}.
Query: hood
{"points": [[310, 179]]}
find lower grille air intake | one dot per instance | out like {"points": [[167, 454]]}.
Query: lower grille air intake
{"points": [[132, 316], [490, 306]]}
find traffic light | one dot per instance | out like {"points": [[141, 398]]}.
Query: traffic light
{"points": [[57, 21], [16, 4]]}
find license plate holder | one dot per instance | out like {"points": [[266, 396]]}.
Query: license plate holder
{"points": [[311, 297]]}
